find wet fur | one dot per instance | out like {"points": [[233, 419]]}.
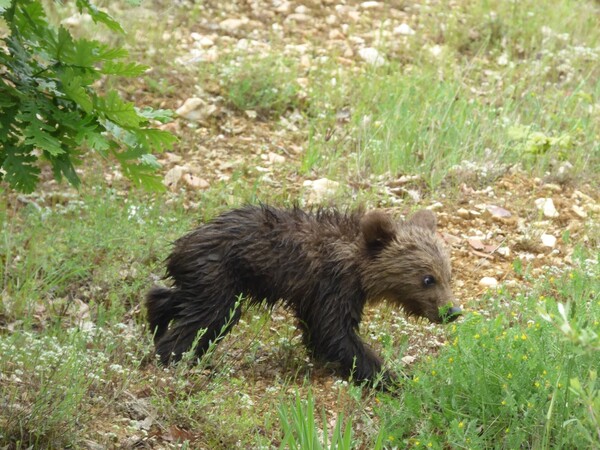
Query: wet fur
{"points": [[324, 266]]}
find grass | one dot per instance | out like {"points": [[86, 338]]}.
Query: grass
{"points": [[510, 378], [264, 84], [509, 83]]}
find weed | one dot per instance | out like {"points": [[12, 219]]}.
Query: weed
{"points": [[266, 84], [507, 380]]}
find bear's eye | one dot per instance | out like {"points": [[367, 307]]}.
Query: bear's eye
{"points": [[428, 280]]}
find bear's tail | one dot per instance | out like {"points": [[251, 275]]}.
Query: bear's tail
{"points": [[161, 309]]}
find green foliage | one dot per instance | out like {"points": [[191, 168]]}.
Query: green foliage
{"points": [[301, 431], [266, 85], [50, 111], [511, 379], [535, 143]]}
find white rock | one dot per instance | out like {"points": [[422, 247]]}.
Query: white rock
{"points": [[298, 17], [77, 20], [172, 177], [504, 251], [284, 7], [195, 182], [489, 282], [502, 59], [464, 213], [205, 41], [232, 24], [436, 205], [196, 109], [404, 30], [408, 359], [321, 189], [546, 205], [497, 211], [579, 211], [371, 5], [274, 158], [548, 240], [414, 194], [302, 9], [336, 34], [191, 104], [354, 15], [371, 56], [436, 50]]}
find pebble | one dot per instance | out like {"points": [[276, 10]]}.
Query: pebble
{"points": [[436, 50], [489, 282], [189, 107], [320, 189], [371, 56], [546, 205], [408, 359], [552, 187], [284, 7], [195, 182], [232, 24], [77, 20], [436, 205], [172, 177], [504, 251], [464, 213], [371, 5], [274, 158], [336, 34], [497, 211], [404, 30], [298, 17], [579, 211], [548, 240]]}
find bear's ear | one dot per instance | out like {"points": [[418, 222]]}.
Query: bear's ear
{"points": [[424, 219], [378, 228]]}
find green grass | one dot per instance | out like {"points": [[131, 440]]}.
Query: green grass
{"points": [[264, 84], [435, 112], [511, 378]]}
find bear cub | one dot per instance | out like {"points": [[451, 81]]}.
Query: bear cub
{"points": [[324, 266]]}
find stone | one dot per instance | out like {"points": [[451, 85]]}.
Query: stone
{"points": [[371, 5], [404, 30], [371, 56], [232, 24], [196, 109], [195, 182], [548, 240], [321, 189], [274, 158], [489, 282], [172, 177], [464, 213], [408, 359], [497, 211], [579, 211], [546, 205]]}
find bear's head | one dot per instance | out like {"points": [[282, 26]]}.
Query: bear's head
{"points": [[407, 264]]}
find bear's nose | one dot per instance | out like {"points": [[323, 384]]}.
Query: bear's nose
{"points": [[451, 314]]}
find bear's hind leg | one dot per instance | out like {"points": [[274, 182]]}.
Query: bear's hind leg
{"points": [[212, 321]]}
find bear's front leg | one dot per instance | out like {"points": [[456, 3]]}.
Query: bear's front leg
{"points": [[358, 360], [346, 349]]}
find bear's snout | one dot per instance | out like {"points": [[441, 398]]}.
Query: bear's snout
{"points": [[450, 314]]}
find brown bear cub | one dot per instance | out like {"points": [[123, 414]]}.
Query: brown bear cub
{"points": [[323, 265]]}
